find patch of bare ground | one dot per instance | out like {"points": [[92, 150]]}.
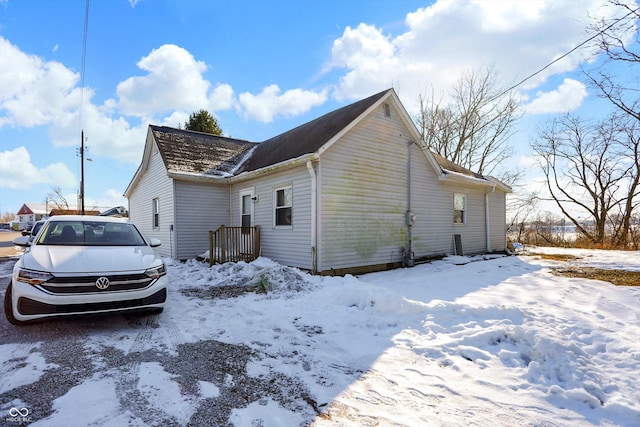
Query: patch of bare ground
{"points": [[616, 277], [555, 257]]}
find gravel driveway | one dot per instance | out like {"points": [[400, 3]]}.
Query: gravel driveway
{"points": [[71, 361]]}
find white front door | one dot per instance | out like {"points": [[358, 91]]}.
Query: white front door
{"points": [[246, 207]]}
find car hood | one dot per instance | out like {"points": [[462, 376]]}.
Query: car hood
{"points": [[83, 259]]}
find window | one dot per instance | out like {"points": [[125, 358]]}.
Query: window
{"points": [[387, 109], [459, 205], [155, 209], [283, 206]]}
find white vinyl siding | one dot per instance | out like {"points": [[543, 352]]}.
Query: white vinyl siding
{"points": [[200, 207], [363, 202], [497, 221], [154, 184], [363, 186], [289, 245], [432, 232]]}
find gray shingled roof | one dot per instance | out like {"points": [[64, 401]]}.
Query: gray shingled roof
{"points": [[197, 153], [450, 166], [307, 138]]}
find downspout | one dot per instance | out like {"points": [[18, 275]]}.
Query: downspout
{"points": [[407, 259], [314, 179]]}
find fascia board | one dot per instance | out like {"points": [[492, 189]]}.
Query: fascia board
{"points": [[144, 163], [288, 164], [196, 177], [454, 177]]}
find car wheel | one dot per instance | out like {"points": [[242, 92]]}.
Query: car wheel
{"points": [[8, 309]]}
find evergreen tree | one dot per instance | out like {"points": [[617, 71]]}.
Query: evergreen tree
{"points": [[203, 121]]}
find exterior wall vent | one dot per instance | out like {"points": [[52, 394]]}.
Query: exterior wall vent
{"points": [[387, 109]]}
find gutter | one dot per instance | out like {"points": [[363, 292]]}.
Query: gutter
{"points": [[268, 169]]}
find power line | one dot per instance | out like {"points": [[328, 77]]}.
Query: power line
{"points": [[599, 33], [84, 57]]}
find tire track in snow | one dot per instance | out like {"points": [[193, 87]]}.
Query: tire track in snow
{"points": [[128, 376]]}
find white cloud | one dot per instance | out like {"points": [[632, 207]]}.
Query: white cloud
{"points": [[17, 171], [110, 198], [448, 38], [221, 98], [108, 136], [34, 92], [174, 82], [565, 98], [370, 58], [269, 103]]}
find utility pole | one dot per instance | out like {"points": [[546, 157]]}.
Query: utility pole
{"points": [[82, 172]]}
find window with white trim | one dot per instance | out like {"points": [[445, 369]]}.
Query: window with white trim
{"points": [[155, 209], [459, 208], [246, 214], [283, 206]]}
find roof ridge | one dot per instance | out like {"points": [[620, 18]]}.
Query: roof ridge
{"points": [[199, 133]]}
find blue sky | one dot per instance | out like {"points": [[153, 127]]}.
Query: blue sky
{"points": [[261, 67]]}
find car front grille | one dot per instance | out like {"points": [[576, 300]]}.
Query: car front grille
{"points": [[28, 306], [64, 285]]}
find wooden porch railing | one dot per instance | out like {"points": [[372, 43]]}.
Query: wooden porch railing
{"points": [[233, 244]]}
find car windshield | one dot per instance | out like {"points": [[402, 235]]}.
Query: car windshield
{"points": [[37, 227], [90, 233]]}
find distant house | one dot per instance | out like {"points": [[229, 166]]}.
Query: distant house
{"points": [[29, 213], [354, 190], [73, 211]]}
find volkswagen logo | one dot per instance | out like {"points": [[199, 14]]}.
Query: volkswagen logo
{"points": [[102, 283]]}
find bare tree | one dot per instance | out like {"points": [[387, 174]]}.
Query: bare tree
{"points": [[58, 199], [630, 155], [619, 40], [474, 129], [591, 168], [522, 206]]}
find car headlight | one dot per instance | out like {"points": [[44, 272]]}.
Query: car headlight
{"points": [[156, 272], [33, 277]]}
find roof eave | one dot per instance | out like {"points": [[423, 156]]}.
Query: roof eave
{"points": [[144, 163], [197, 177], [287, 164], [456, 177]]}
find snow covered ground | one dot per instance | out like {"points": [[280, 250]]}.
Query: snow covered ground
{"points": [[481, 341]]}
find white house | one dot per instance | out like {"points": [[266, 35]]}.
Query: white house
{"points": [[354, 190]]}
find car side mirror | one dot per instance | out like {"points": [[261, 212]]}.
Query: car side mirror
{"points": [[154, 243], [22, 241]]}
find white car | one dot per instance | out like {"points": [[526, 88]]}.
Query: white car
{"points": [[85, 265]]}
